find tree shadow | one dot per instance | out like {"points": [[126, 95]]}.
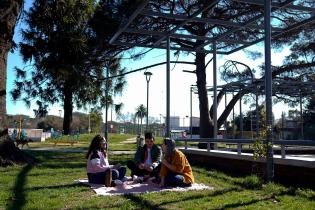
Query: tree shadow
{"points": [[225, 179], [202, 195], [241, 204], [144, 204], [54, 187], [18, 199]]}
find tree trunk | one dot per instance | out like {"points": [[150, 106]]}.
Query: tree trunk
{"points": [[206, 126], [141, 127], [4, 48], [68, 108], [9, 12]]}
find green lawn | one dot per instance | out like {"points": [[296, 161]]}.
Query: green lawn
{"points": [[50, 185], [116, 142]]}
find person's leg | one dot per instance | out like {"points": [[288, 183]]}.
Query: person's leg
{"points": [[96, 178], [122, 172], [115, 174], [175, 180], [135, 170], [132, 166]]}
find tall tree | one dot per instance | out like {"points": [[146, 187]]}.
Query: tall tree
{"points": [[68, 65], [9, 12], [141, 112]]}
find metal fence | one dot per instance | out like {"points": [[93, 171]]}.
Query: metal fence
{"points": [[239, 142]]}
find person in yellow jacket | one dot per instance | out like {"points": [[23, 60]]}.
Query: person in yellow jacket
{"points": [[175, 168]]}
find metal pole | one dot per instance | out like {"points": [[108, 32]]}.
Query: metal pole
{"points": [[239, 146], [301, 116], [146, 126], [257, 116], [233, 117], [191, 91], [225, 122], [89, 129], [215, 123], [241, 119], [167, 121], [268, 89], [106, 106]]}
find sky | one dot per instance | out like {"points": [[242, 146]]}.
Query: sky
{"points": [[135, 91]]}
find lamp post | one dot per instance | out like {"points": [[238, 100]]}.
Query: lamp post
{"points": [[147, 77]]}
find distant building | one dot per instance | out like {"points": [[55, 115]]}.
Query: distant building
{"points": [[34, 134], [195, 121], [174, 122]]}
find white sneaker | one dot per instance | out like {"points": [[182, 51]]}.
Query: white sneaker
{"points": [[118, 182], [137, 179], [124, 179]]}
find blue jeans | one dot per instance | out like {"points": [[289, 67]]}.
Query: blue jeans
{"points": [[175, 180], [99, 178], [119, 173]]}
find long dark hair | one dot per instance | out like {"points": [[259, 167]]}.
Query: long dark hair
{"points": [[171, 146], [95, 145]]}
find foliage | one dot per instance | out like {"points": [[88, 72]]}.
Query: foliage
{"points": [[96, 121], [67, 62], [42, 110], [252, 182], [260, 147], [309, 119], [141, 112]]}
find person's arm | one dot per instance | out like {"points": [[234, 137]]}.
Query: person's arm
{"points": [[168, 165], [157, 158], [177, 164], [96, 161]]}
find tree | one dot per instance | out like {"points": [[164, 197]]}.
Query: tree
{"points": [[67, 62], [309, 119], [41, 111], [9, 12], [96, 120], [141, 112]]}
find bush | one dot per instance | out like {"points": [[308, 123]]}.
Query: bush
{"points": [[252, 182]]}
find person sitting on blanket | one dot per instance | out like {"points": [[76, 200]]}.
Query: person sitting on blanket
{"points": [[147, 159], [175, 168], [98, 169]]}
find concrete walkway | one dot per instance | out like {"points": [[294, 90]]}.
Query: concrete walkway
{"points": [[51, 149]]}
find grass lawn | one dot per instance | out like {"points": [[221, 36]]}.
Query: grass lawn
{"points": [[116, 142], [50, 185]]}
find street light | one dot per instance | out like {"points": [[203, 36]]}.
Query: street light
{"points": [[147, 77]]}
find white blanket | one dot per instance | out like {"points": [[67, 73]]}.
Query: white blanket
{"points": [[129, 187]]}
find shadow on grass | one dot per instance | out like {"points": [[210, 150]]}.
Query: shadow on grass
{"points": [[18, 201], [63, 165], [143, 204], [241, 204], [203, 195], [55, 186]]}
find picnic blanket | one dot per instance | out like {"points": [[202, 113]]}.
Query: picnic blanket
{"points": [[129, 188]]}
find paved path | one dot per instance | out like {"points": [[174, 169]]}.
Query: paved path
{"points": [[51, 149]]}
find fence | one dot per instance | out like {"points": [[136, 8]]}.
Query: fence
{"points": [[239, 142]]}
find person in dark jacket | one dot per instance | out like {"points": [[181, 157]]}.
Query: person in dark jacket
{"points": [[147, 160]]}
